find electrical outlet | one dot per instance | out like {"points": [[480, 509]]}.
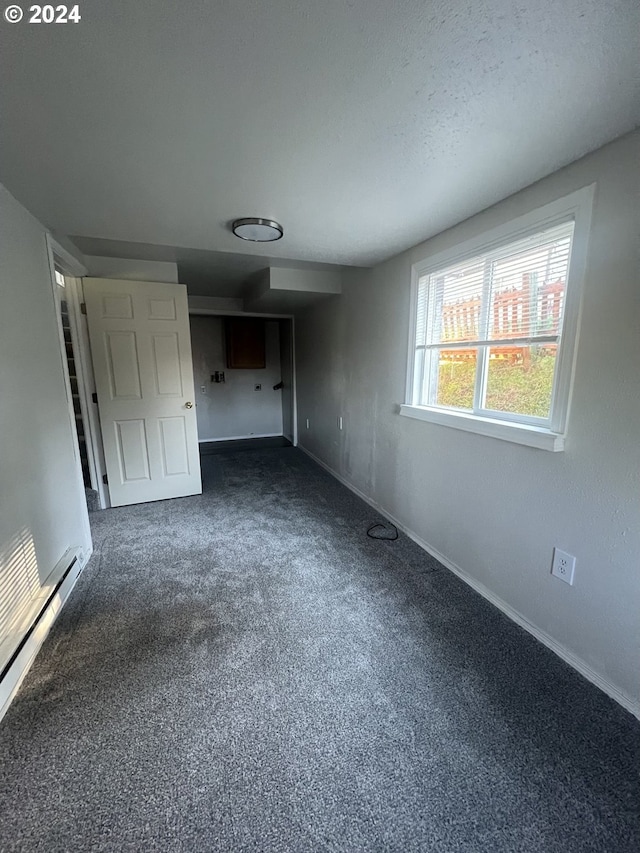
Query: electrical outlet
{"points": [[563, 566], [308, 424], [340, 422], [203, 388]]}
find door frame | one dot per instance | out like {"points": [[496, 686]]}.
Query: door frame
{"points": [[217, 312], [74, 271]]}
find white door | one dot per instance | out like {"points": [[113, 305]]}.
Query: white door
{"points": [[141, 348]]}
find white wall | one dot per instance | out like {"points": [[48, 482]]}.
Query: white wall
{"points": [[131, 270], [285, 289], [44, 511], [234, 409], [215, 304], [493, 509], [304, 280]]}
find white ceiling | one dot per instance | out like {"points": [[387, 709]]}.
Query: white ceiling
{"points": [[363, 126]]}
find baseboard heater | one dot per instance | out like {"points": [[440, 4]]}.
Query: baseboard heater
{"points": [[8, 690]]}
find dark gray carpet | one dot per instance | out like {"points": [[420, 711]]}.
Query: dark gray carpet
{"points": [[243, 444], [246, 671]]}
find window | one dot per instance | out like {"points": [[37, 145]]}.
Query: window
{"points": [[494, 328]]}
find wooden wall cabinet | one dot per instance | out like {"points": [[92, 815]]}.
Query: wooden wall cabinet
{"points": [[245, 342]]}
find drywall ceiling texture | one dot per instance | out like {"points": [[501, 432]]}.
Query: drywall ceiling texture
{"points": [[363, 126], [496, 509]]}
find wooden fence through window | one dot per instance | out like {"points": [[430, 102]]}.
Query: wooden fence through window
{"points": [[521, 312]]}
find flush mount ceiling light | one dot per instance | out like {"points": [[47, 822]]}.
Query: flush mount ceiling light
{"points": [[257, 230]]}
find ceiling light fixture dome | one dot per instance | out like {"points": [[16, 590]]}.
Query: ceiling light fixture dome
{"points": [[257, 230]]}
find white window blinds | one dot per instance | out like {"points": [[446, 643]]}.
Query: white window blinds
{"points": [[488, 327]]}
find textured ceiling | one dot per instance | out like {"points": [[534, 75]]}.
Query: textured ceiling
{"points": [[363, 126]]}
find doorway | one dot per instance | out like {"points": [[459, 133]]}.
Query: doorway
{"points": [[244, 377], [73, 385], [271, 387], [66, 282]]}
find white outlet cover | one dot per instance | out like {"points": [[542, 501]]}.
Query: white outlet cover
{"points": [[563, 566]]}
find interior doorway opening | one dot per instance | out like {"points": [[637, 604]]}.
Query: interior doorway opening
{"points": [[267, 392], [244, 376], [72, 373], [66, 274]]}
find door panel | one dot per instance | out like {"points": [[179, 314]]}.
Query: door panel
{"points": [[162, 309], [122, 365], [166, 364], [115, 307], [133, 454], [141, 348], [173, 441]]}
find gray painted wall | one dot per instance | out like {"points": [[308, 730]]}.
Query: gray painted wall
{"points": [[41, 489], [214, 303], [286, 375], [131, 270], [493, 509], [234, 409]]}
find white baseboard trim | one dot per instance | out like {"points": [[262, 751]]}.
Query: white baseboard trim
{"points": [[241, 437], [22, 662], [540, 635]]}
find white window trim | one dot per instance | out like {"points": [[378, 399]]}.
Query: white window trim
{"points": [[578, 206]]}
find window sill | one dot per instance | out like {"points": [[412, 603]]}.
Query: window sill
{"points": [[531, 436]]}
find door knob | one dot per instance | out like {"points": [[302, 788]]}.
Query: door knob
{"points": [[188, 405]]}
